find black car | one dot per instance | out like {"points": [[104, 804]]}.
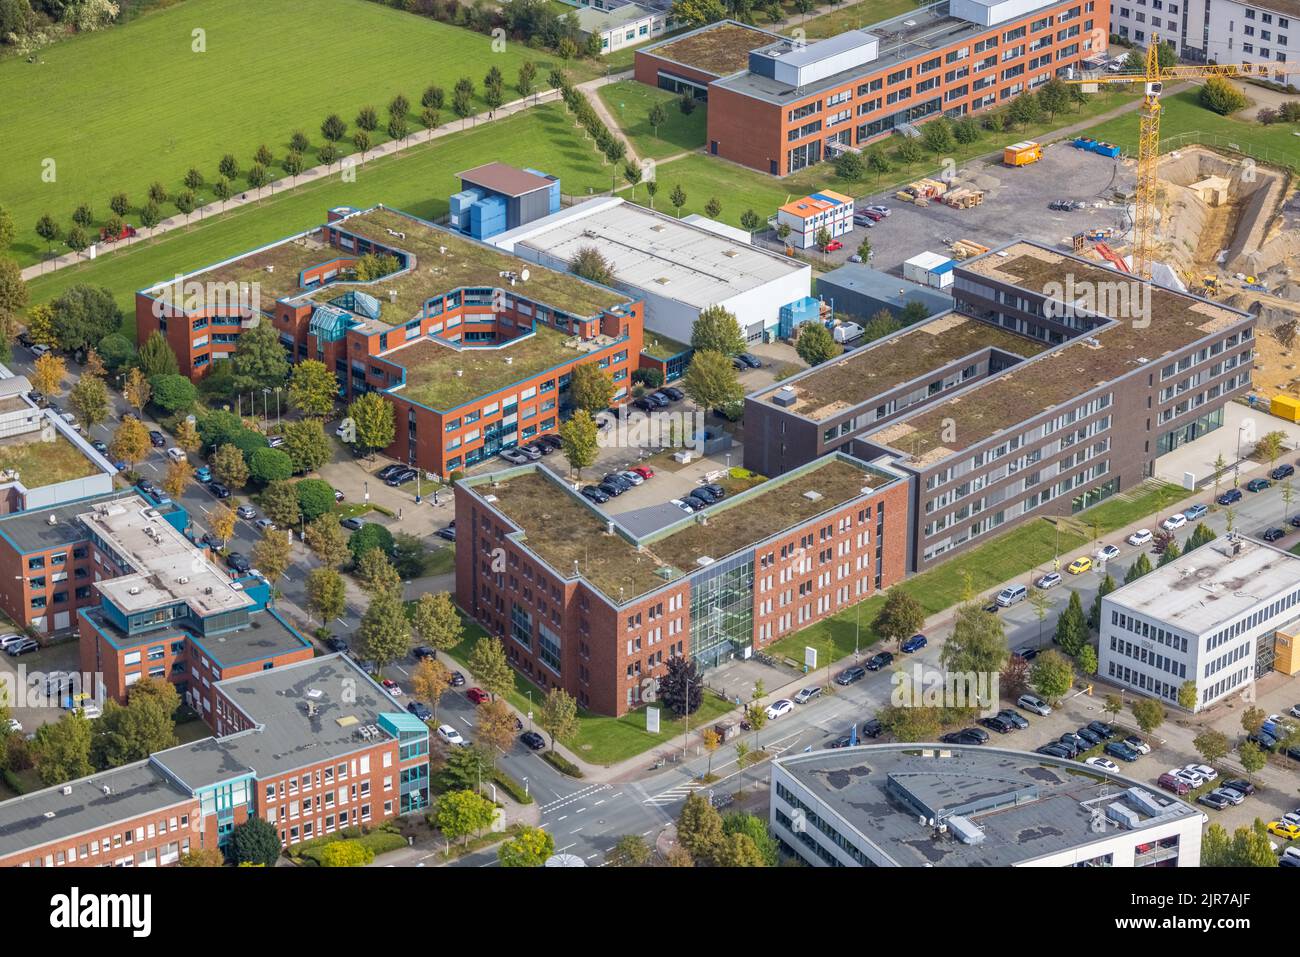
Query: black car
{"points": [[850, 675], [1240, 785], [400, 477], [999, 724], [352, 524], [219, 490], [457, 679], [750, 361], [662, 397], [157, 439], [146, 486], [1015, 717], [210, 540], [552, 441], [336, 644], [872, 728], [99, 447], [1072, 743], [594, 494], [422, 652], [238, 562], [388, 470], [1281, 472], [644, 404], [716, 490], [36, 396], [705, 494], [612, 489], [657, 400], [843, 741], [616, 479], [1061, 205], [1101, 728], [1295, 521], [447, 534], [699, 499], [1055, 750], [673, 393], [420, 710], [1092, 737], [880, 659], [532, 740], [540, 447], [25, 339], [965, 736], [1273, 534]]}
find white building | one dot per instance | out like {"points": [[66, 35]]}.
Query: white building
{"points": [[620, 26], [1220, 31], [808, 216], [678, 268], [1210, 616], [910, 805]]}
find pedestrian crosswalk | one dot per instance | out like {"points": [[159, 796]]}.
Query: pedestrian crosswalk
{"points": [[574, 797], [673, 795]]}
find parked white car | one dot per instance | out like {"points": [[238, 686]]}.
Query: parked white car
{"points": [[1204, 770], [450, 735], [175, 454], [1142, 536], [1190, 778], [1174, 522], [1106, 764], [7, 640], [1108, 553], [778, 708]]}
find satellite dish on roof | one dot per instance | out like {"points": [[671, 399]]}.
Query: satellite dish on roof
{"points": [[524, 275]]}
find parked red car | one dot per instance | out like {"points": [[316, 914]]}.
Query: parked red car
{"points": [[644, 471], [477, 695], [833, 245]]}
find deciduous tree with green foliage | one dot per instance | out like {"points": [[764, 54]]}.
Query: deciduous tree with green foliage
{"points": [[271, 554], [61, 749], [144, 725], [578, 440], [313, 388], [85, 314], [307, 445], [376, 572], [711, 380], [280, 503], [631, 850], [1248, 847], [259, 359], [1052, 674], [529, 848], [490, 666], [558, 716], [384, 634], [901, 616], [370, 535], [372, 416], [270, 465], [699, 828], [255, 842], [461, 814], [326, 593], [1149, 714], [436, 621], [815, 344], [89, 397], [716, 329]]}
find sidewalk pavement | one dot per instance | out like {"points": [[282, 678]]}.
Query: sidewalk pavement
{"points": [[246, 197]]}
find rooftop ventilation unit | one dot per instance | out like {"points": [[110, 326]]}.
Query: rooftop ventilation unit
{"points": [[66, 790], [314, 693], [784, 397], [704, 561], [1123, 816], [812, 496], [52, 520]]}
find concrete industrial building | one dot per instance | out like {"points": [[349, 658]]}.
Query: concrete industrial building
{"points": [[676, 268], [472, 347], [857, 291], [619, 25], [1215, 31], [582, 603], [787, 105], [1019, 403], [1214, 616], [313, 748], [915, 805]]}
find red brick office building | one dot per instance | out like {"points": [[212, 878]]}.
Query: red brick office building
{"points": [[473, 347], [792, 106], [312, 748], [581, 603]]}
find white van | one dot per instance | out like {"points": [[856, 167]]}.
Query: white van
{"points": [[1010, 595]]}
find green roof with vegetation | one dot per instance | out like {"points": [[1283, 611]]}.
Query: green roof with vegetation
{"points": [[661, 347], [564, 531], [40, 463], [432, 366], [720, 49], [445, 261]]}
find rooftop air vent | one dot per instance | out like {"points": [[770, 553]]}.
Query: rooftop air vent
{"points": [[52, 520], [270, 268], [134, 590], [812, 496], [785, 397], [510, 360], [314, 693], [704, 560], [67, 789]]}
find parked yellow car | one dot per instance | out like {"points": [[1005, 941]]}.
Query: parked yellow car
{"points": [[1079, 566], [1284, 829]]}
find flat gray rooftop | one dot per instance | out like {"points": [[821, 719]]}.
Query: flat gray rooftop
{"points": [[882, 790], [168, 566], [1201, 590], [50, 815], [656, 252], [44, 528], [264, 636], [902, 38], [342, 698]]}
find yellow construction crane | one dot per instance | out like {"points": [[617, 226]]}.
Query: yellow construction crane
{"points": [[1153, 79]]}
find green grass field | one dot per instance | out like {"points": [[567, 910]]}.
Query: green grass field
{"points": [[1182, 114], [117, 110], [417, 181], [630, 103]]}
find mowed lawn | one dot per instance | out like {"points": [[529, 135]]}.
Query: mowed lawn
{"points": [[1182, 113], [630, 103], [417, 181], [117, 110]]}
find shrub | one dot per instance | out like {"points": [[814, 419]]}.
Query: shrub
{"points": [[512, 787], [562, 764], [315, 498]]}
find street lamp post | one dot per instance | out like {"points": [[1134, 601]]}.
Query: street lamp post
{"points": [[366, 486], [277, 405]]}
